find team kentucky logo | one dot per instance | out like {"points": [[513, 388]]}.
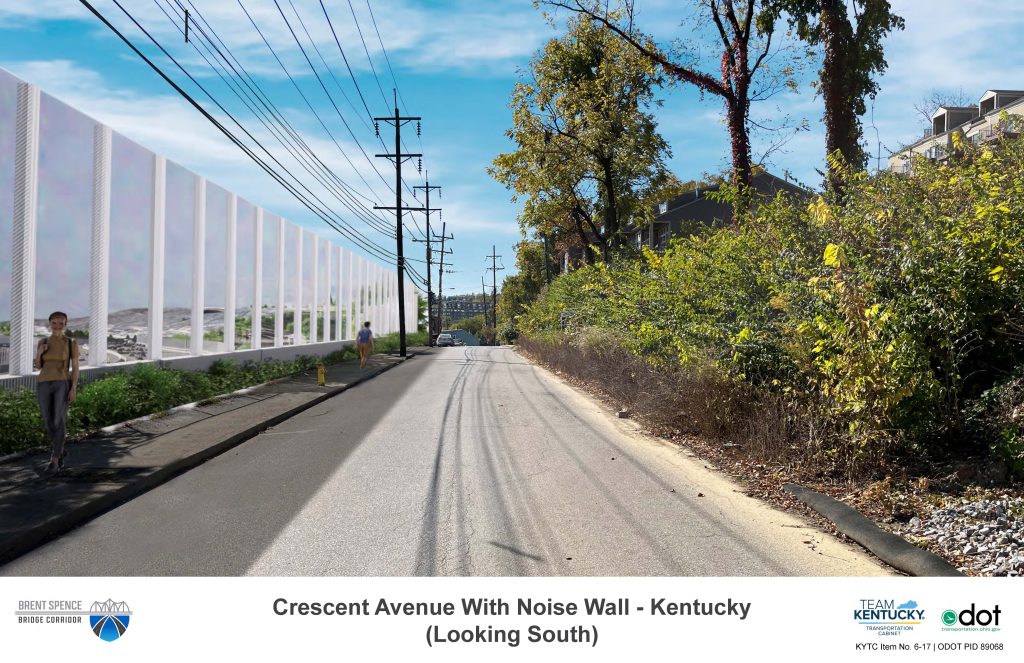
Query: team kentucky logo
{"points": [[109, 619]]}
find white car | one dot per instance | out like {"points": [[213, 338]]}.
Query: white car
{"points": [[445, 340]]}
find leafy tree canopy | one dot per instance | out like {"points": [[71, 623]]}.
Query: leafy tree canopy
{"points": [[589, 161]]}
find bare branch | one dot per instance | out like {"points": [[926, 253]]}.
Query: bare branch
{"points": [[692, 76]]}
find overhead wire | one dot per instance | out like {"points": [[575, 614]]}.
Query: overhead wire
{"points": [[327, 93], [367, 121], [367, 50], [324, 213], [373, 69], [299, 89], [347, 196], [283, 131], [391, 69], [259, 92], [355, 82]]}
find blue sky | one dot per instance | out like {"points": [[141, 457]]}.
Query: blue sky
{"points": [[455, 63]]}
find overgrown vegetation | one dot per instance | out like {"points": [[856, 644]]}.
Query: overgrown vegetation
{"points": [[885, 325], [147, 389]]}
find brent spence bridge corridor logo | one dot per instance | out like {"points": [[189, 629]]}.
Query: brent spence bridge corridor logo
{"points": [[887, 617], [107, 619]]}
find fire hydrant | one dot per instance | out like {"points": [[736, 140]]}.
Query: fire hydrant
{"points": [[321, 375]]}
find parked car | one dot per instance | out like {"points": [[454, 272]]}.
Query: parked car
{"points": [[445, 340]]}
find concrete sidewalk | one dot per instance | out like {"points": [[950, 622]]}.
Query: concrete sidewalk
{"points": [[110, 468]]}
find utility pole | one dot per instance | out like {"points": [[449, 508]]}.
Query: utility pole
{"points": [[428, 241], [440, 275], [483, 291], [397, 121], [494, 269]]}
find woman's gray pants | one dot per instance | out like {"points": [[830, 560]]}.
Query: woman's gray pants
{"points": [[53, 403]]}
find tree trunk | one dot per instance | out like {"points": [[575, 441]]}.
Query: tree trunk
{"points": [[842, 134], [736, 75], [611, 211]]}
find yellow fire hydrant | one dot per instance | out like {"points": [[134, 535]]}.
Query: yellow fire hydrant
{"points": [[321, 375]]}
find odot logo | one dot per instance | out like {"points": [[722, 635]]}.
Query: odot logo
{"points": [[109, 619], [971, 619]]}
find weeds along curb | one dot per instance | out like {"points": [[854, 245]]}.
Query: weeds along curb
{"points": [[891, 549], [113, 428]]}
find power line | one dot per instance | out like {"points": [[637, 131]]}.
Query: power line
{"points": [[349, 202], [367, 121], [367, 50], [373, 69], [299, 89], [286, 134], [326, 92], [394, 79], [385, 52], [355, 236], [330, 24]]}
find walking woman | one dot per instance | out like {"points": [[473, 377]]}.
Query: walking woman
{"points": [[56, 356], [364, 341]]}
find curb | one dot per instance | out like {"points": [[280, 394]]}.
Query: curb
{"points": [[895, 551], [19, 545]]}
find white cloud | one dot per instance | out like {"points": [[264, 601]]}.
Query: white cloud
{"points": [[466, 36], [15, 13]]}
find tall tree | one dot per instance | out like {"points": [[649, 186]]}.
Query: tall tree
{"points": [[850, 34], [588, 157], [744, 33]]}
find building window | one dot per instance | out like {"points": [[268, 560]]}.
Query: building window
{"points": [[661, 235]]}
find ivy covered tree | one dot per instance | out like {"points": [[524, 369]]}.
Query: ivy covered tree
{"points": [[588, 160], [742, 29], [850, 34]]}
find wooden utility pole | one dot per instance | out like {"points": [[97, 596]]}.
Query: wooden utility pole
{"points": [[483, 291], [397, 121], [428, 241], [440, 276], [494, 269]]}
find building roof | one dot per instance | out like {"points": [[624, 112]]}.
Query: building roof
{"points": [[945, 109], [697, 206]]}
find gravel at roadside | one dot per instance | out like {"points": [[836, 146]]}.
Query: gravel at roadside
{"points": [[980, 536]]}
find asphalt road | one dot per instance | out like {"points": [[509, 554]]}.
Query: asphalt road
{"points": [[466, 461]]}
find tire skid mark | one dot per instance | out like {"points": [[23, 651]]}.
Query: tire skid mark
{"points": [[735, 537], [528, 503], [488, 446], [664, 556], [426, 552], [463, 563]]}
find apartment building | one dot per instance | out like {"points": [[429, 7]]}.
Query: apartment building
{"points": [[979, 124], [695, 210]]}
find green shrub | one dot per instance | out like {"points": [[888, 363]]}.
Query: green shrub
{"points": [[21, 425], [885, 313], [508, 333], [147, 389]]}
